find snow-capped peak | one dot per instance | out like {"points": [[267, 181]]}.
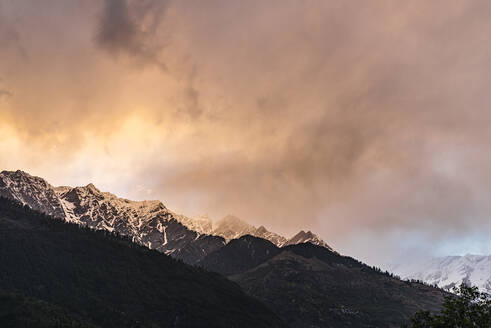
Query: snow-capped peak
{"points": [[145, 221], [231, 227], [30, 190], [307, 237], [449, 271]]}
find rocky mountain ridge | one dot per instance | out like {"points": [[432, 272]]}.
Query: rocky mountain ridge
{"points": [[58, 274], [232, 227], [148, 223]]}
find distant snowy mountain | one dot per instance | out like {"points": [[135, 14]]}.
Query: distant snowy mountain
{"points": [[276, 239], [231, 227], [149, 223], [450, 271], [307, 237]]}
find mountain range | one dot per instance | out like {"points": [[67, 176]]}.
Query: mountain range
{"points": [[312, 286], [302, 281], [59, 274], [449, 271], [231, 227], [148, 223]]}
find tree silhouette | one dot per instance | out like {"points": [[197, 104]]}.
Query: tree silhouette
{"points": [[468, 308]]}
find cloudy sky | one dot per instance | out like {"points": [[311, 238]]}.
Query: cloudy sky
{"points": [[367, 122]]}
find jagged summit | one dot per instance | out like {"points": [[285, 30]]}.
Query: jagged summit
{"points": [[307, 237], [302, 235], [149, 223], [92, 188], [262, 229], [17, 173], [15, 177], [32, 191], [231, 227]]}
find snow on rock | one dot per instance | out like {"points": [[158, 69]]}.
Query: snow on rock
{"points": [[449, 271], [201, 224], [307, 237], [148, 223], [32, 191], [231, 227]]}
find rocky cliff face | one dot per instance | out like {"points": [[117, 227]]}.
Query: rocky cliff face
{"points": [[32, 191], [148, 223]]}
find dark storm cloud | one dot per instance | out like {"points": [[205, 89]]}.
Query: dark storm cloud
{"points": [[9, 37], [130, 28], [137, 29]]}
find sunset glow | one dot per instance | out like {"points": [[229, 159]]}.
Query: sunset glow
{"points": [[367, 122]]}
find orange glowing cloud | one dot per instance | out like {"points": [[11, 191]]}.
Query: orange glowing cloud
{"points": [[336, 116]]}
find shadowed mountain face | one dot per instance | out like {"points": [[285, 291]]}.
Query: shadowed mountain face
{"points": [[311, 286], [20, 311], [96, 279], [240, 255], [304, 281], [149, 223]]}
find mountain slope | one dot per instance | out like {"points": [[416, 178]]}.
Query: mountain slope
{"points": [[148, 223], [307, 237], [112, 282], [311, 286], [20, 311], [32, 191], [240, 255], [447, 272]]}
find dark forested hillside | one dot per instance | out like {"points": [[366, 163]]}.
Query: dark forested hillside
{"points": [[240, 255], [20, 311], [311, 286], [83, 278]]}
